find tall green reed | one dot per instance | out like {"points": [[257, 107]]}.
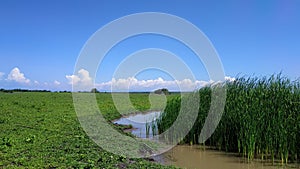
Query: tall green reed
{"points": [[261, 118]]}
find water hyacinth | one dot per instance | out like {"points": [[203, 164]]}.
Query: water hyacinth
{"points": [[261, 118]]}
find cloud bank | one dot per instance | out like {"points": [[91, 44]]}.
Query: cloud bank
{"points": [[133, 84], [17, 79], [83, 81]]}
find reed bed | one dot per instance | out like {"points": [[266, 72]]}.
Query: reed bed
{"points": [[261, 118]]}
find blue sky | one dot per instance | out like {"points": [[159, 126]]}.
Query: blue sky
{"points": [[41, 40]]}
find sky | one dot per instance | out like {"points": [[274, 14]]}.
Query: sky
{"points": [[40, 41]]}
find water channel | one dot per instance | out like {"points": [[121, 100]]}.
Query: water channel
{"points": [[193, 157]]}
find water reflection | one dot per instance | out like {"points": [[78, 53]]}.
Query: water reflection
{"points": [[139, 123]]}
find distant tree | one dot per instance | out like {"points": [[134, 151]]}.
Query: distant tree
{"points": [[162, 91], [94, 90], [165, 91]]}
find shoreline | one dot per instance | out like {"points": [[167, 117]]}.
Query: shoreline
{"points": [[266, 161]]}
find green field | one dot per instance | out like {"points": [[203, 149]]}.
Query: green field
{"points": [[41, 130]]}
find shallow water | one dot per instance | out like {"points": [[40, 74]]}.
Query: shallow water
{"points": [[193, 157], [138, 121]]}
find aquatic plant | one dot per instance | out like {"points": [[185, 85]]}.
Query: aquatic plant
{"points": [[261, 118]]}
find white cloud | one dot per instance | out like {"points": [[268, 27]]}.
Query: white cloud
{"points": [[73, 79], [56, 82], [36, 82], [16, 75], [1, 75], [134, 84], [81, 81], [230, 79]]}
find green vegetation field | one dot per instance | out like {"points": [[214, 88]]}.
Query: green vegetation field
{"points": [[41, 130]]}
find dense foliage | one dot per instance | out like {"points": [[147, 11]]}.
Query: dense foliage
{"points": [[261, 118]]}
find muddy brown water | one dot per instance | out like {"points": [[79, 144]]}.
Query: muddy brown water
{"points": [[194, 157]]}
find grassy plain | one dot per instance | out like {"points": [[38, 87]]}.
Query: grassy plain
{"points": [[41, 130]]}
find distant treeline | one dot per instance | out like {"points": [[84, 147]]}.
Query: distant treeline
{"points": [[21, 90], [94, 90]]}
